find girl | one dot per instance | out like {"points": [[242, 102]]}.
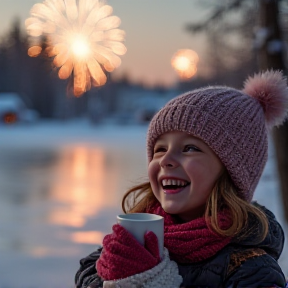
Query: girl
{"points": [[206, 151]]}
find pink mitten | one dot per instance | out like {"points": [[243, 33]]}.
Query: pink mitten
{"points": [[122, 255]]}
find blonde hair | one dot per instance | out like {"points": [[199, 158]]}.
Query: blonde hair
{"points": [[223, 196]]}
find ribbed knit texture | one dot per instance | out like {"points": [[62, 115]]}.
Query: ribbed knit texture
{"points": [[230, 122], [122, 255], [165, 274], [192, 241]]}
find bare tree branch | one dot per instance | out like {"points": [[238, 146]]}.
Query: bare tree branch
{"points": [[217, 14]]}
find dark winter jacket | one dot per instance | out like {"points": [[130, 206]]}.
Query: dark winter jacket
{"points": [[237, 265]]}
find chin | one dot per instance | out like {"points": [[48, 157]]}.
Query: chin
{"points": [[170, 210]]}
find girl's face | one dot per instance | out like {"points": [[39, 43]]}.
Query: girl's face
{"points": [[183, 173]]}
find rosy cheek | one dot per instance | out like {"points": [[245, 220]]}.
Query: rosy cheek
{"points": [[151, 171]]}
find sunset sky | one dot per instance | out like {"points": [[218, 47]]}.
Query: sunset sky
{"points": [[154, 32]]}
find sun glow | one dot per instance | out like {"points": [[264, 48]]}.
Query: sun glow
{"points": [[82, 37], [182, 63], [185, 62]]}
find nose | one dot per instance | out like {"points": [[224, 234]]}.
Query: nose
{"points": [[169, 160]]}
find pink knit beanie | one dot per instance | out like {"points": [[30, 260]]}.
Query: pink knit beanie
{"points": [[233, 123]]}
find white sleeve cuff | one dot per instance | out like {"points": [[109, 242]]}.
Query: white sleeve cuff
{"points": [[165, 274]]}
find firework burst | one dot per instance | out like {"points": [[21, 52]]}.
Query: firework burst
{"points": [[82, 36]]}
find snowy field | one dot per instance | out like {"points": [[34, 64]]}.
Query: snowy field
{"points": [[60, 190]]}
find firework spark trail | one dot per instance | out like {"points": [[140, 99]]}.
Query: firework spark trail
{"points": [[82, 36]]}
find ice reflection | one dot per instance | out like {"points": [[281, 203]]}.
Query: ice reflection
{"points": [[79, 186], [57, 192], [83, 186], [87, 237]]}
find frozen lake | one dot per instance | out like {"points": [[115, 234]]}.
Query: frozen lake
{"points": [[61, 186]]}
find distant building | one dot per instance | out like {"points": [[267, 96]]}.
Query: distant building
{"points": [[13, 109]]}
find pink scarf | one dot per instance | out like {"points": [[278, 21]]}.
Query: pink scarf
{"points": [[192, 241]]}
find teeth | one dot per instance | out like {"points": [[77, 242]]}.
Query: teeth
{"points": [[180, 183], [167, 182]]}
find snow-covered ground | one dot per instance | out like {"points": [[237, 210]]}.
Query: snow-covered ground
{"points": [[60, 191]]}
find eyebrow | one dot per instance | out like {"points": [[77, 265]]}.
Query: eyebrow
{"points": [[189, 137], [195, 139]]}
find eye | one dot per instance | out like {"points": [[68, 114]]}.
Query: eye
{"points": [[159, 149], [191, 148]]}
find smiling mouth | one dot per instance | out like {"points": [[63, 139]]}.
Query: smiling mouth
{"points": [[173, 185]]}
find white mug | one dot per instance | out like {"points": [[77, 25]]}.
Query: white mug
{"points": [[139, 223]]}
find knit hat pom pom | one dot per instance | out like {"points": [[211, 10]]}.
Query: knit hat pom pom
{"points": [[270, 89]]}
